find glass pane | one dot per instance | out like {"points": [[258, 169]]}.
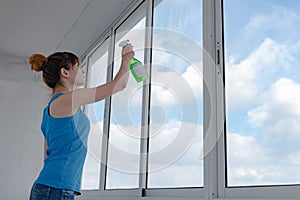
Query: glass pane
{"points": [[96, 76], [262, 92], [126, 109], [175, 157]]}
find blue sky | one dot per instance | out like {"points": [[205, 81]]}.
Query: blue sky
{"points": [[279, 14]]}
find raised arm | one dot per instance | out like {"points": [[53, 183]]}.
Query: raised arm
{"points": [[85, 96]]}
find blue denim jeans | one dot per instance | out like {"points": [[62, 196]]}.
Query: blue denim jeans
{"points": [[43, 192]]}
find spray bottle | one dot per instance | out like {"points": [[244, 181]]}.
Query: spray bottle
{"points": [[137, 69]]}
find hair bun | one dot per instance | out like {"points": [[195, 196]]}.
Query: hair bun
{"points": [[37, 61]]}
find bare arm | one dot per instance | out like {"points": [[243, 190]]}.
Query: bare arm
{"points": [[84, 96], [91, 95]]}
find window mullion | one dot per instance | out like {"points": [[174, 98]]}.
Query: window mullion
{"points": [[144, 145], [220, 98], [210, 101], [105, 136]]}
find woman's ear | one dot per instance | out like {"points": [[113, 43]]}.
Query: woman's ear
{"points": [[64, 72]]}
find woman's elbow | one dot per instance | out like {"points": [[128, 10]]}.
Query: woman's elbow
{"points": [[119, 85], [122, 87]]}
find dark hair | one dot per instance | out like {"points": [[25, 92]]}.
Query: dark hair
{"points": [[52, 65]]}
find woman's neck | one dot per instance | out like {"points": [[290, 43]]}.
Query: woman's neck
{"points": [[60, 89]]}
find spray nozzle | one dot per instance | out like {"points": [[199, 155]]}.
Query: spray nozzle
{"points": [[124, 43]]}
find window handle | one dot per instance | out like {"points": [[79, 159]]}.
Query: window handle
{"points": [[218, 57]]}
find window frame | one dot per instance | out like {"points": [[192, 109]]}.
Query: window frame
{"points": [[214, 119], [86, 63], [237, 192], [131, 192]]}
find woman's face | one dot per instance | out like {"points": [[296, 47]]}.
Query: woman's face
{"points": [[78, 75]]}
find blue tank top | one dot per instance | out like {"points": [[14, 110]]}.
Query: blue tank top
{"points": [[67, 147]]}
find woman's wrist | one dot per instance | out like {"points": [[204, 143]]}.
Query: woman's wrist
{"points": [[126, 60]]}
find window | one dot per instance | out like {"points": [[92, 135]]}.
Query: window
{"points": [[218, 116], [97, 67], [175, 156], [262, 83], [125, 118]]}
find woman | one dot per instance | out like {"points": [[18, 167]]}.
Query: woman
{"points": [[64, 125]]}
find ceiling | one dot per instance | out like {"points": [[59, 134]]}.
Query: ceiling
{"points": [[45, 26]]}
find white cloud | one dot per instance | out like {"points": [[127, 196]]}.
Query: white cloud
{"points": [[162, 136], [278, 40], [125, 138], [251, 162], [161, 57], [269, 154], [121, 137], [244, 149], [194, 76], [285, 94], [244, 80], [168, 89], [177, 176], [258, 115], [267, 81], [272, 156], [279, 113], [294, 158], [171, 88], [177, 47]]}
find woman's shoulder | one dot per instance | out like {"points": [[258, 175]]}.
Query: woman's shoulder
{"points": [[61, 105]]}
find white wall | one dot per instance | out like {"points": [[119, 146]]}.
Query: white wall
{"points": [[22, 98]]}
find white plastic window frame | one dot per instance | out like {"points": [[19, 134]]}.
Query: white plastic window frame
{"points": [[87, 65], [214, 113], [102, 193], [142, 191]]}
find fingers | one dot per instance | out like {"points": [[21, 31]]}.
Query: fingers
{"points": [[127, 51]]}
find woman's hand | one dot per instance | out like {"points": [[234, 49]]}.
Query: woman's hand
{"points": [[127, 52]]}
